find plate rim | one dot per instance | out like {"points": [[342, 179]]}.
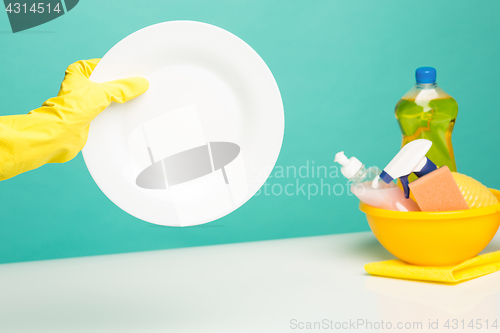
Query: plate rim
{"points": [[91, 166]]}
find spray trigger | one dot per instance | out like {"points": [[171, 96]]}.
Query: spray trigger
{"points": [[406, 185]]}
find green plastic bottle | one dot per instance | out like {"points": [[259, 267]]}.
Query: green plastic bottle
{"points": [[427, 112]]}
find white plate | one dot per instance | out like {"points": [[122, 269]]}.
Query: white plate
{"points": [[201, 141]]}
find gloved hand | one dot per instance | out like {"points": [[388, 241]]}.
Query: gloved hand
{"points": [[57, 131]]}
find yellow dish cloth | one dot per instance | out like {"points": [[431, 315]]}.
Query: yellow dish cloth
{"points": [[469, 269]]}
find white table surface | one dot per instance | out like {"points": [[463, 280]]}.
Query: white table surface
{"points": [[247, 287]]}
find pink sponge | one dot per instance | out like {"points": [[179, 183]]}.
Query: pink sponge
{"points": [[438, 191]]}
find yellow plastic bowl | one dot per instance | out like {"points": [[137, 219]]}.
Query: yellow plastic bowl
{"points": [[434, 238]]}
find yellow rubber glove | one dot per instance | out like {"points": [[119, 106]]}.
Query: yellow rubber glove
{"points": [[57, 131]]}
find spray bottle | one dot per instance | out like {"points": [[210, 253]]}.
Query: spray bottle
{"points": [[368, 187], [410, 159]]}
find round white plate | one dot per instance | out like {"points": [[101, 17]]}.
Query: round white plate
{"points": [[201, 141]]}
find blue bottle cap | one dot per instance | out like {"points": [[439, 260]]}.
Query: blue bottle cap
{"points": [[425, 75]]}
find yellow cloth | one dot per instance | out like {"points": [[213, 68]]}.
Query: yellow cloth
{"points": [[469, 269], [57, 131]]}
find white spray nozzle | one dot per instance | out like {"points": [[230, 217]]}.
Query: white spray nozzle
{"points": [[341, 158], [410, 159], [350, 166]]}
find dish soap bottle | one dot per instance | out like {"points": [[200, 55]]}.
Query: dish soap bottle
{"points": [[427, 112], [367, 186]]}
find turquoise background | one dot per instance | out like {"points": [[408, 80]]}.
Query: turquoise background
{"points": [[341, 67]]}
